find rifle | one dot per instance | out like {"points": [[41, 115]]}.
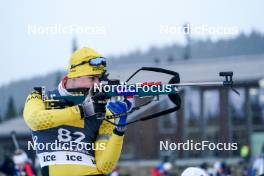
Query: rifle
{"points": [[146, 89]]}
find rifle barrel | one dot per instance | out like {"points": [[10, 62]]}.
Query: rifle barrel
{"points": [[199, 84]]}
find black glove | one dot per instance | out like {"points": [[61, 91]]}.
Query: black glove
{"points": [[94, 104], [99, 102]]}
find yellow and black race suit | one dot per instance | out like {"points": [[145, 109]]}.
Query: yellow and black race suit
{"points": [[68, 126]]}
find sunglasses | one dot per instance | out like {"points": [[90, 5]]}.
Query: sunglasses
{"points": [[93, 62]]}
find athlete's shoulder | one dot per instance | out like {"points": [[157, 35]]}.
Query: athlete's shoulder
{"points": [[38, 92], [34, 94]]}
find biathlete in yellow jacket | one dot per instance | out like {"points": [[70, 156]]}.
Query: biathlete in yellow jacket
{"points": [[75, 125]]}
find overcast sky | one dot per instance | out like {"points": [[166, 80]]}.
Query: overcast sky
{"points": [[112, 27]]}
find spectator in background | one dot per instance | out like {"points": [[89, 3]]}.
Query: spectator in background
{"points": [[8, 166], [221, 169], [194, 171], [258, 165], [163, 169], [245, 153], [22, 164]]}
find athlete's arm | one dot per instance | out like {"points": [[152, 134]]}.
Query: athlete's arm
{"points": [[112, 138], [38, 118], [112, 143]]}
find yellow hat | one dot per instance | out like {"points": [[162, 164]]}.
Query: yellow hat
{"points": [[79, 63]]}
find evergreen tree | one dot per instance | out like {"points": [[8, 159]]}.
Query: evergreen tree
{"points": [[11, 109]]}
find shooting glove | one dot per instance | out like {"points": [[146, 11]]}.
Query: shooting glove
{"points": [[120, 108]]}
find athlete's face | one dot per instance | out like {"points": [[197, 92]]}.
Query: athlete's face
{"points": [[82, 82]]}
